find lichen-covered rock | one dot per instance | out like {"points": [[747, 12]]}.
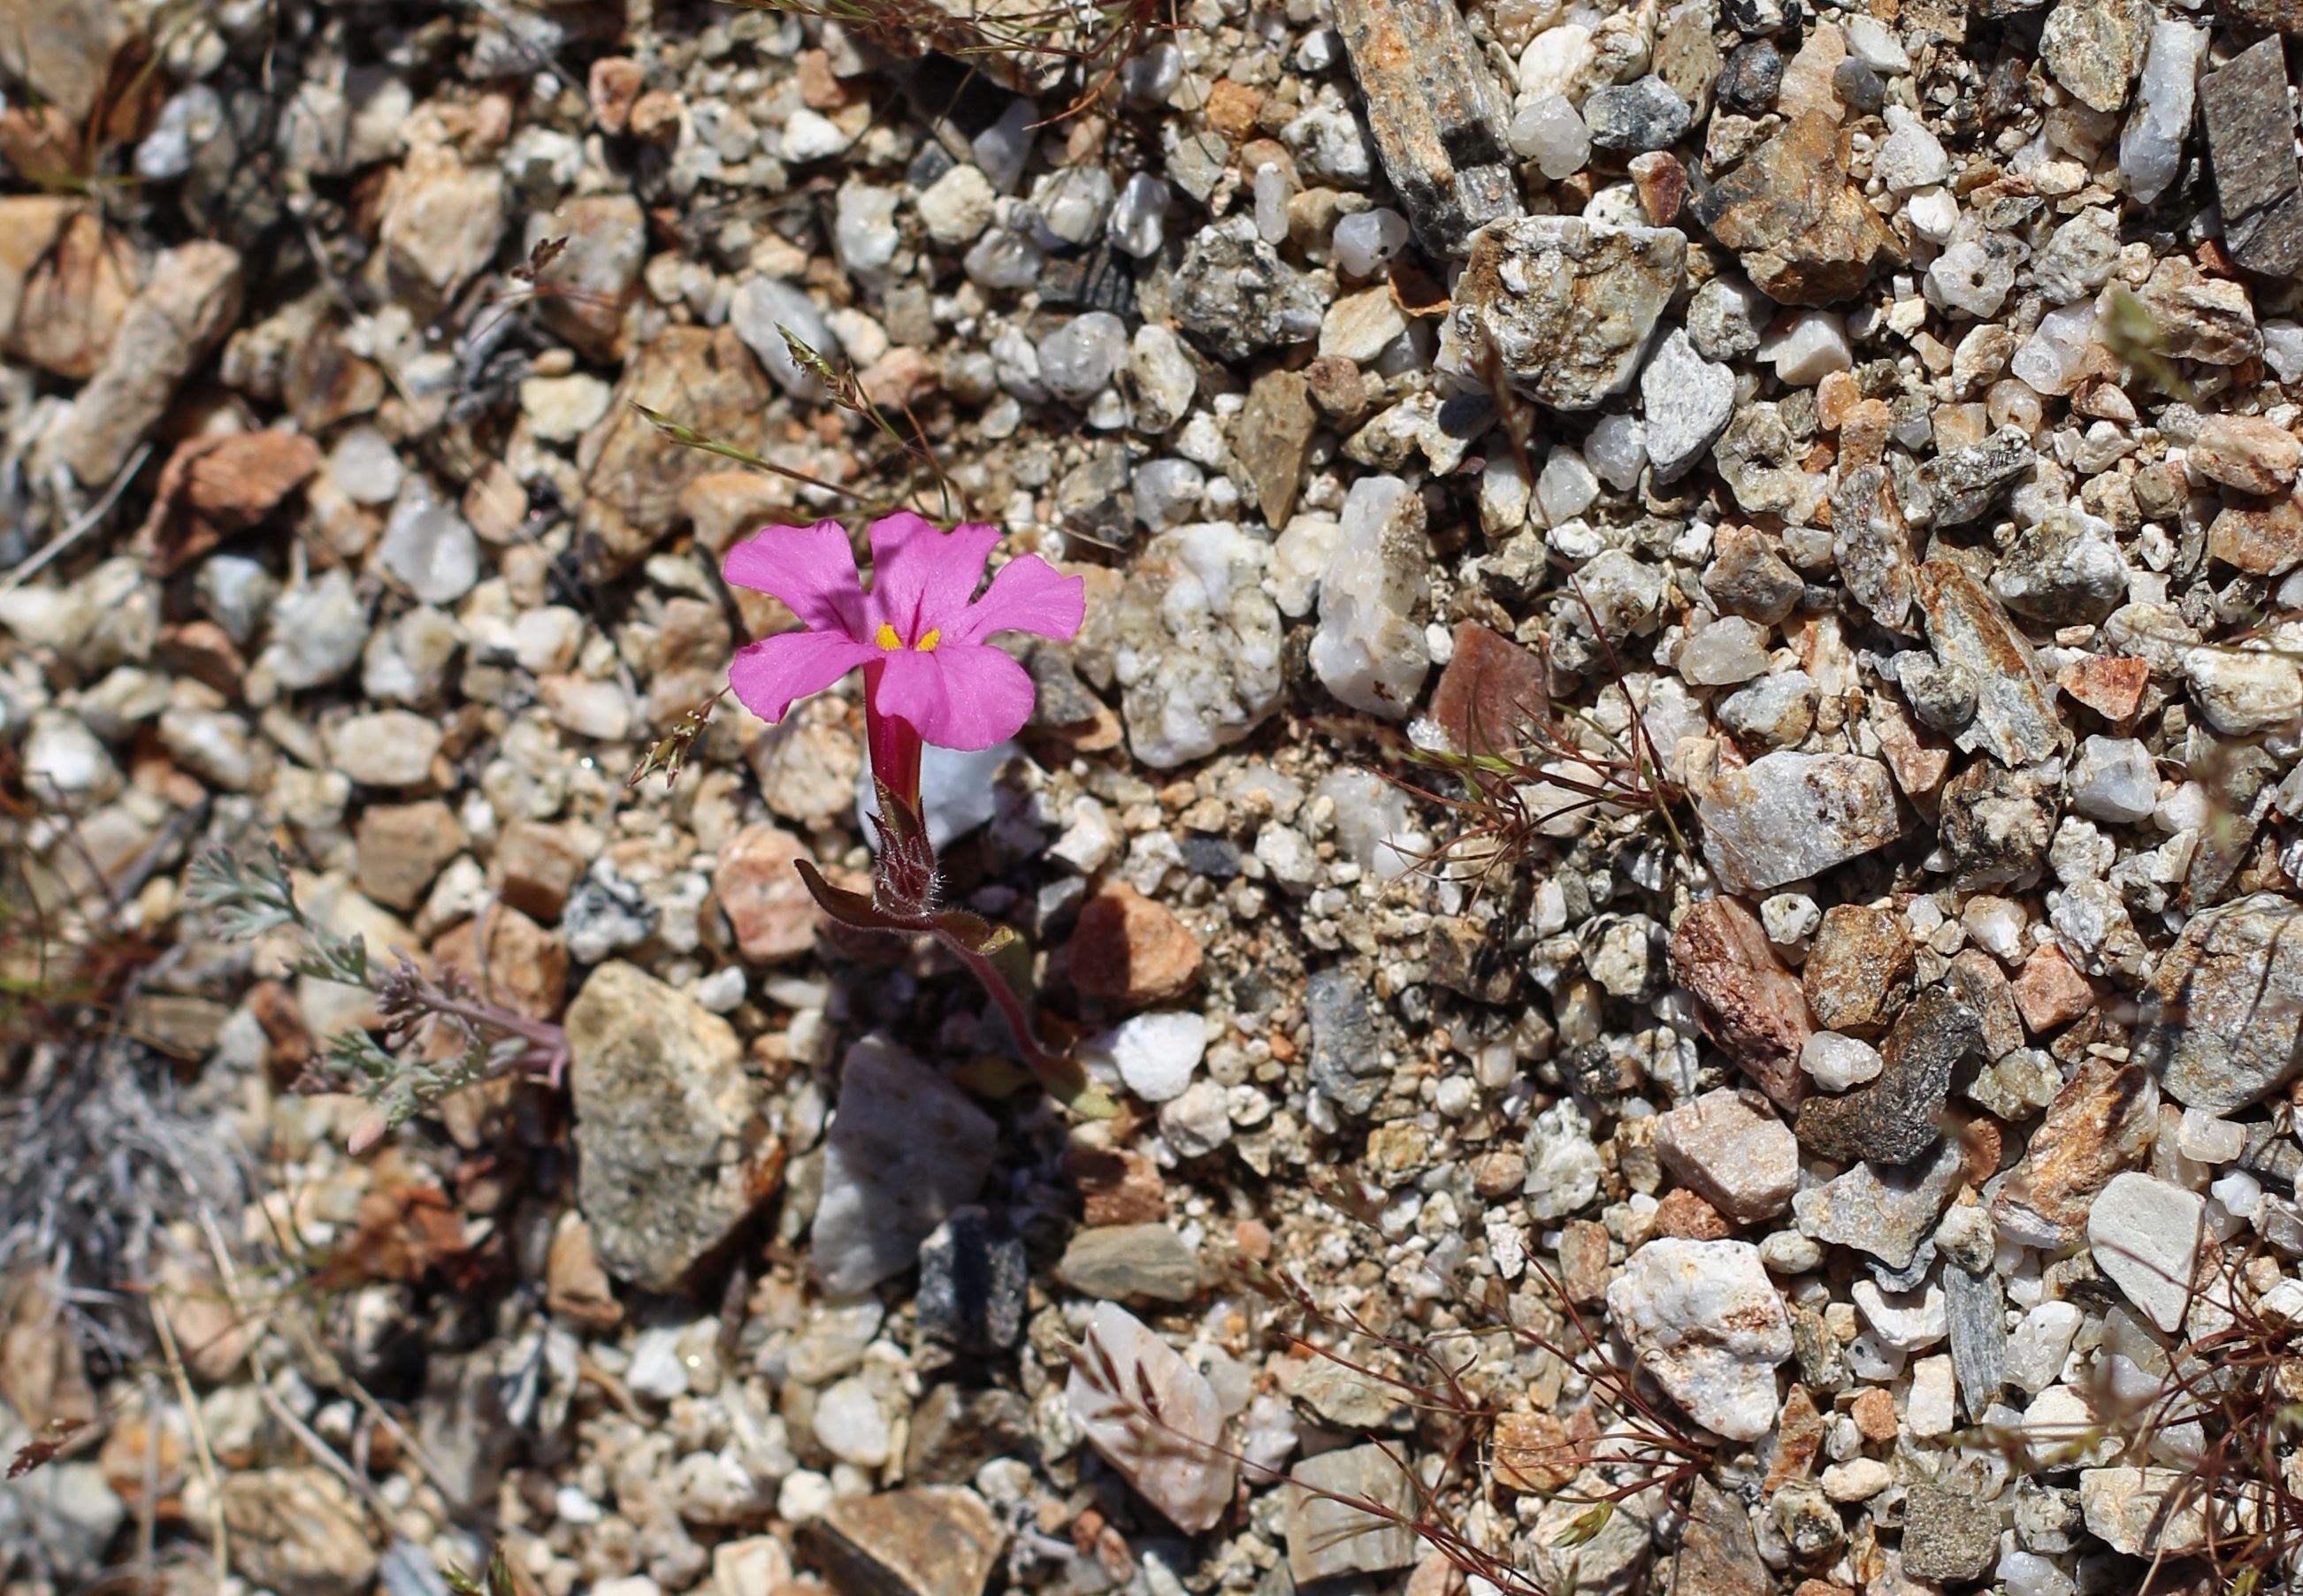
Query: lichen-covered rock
{"points": [[297, 1530], [2225, 1022], [1898, 1116], [1436, 114], [2066, 570], [1566, 305], [674, 1154], [1235, 295], [1886, 1210], [2015, 720], [1960, 485], [1872, 544], [1197, 650], [1787, 815], [2093, 48]]}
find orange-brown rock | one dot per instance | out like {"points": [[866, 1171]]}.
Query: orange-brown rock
{"points": [[65, 280], [2261, 540], [1799, 1438], [1492, 693], [1120, 1185], [523, 966], [2247, 452], [1686, 1216], [633, 483], [1583, 1256], [2111, 684], [2101, 1123], [1859, 970], [1535, 1454], [213, 487], [537, 865], [1874, 1413], [1128, 951], [1751, 1005], [616, 83], [2051, 991], [1804, 231], [575, 1285], [401, 848]]}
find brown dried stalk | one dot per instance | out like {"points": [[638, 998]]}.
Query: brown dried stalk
{"points": [[2242, 1386], [1498, 826], [845, 390], [1644, 1444]]}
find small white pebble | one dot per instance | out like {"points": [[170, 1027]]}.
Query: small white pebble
{"points": [[1929, 1411], [723, 990], [2204, 1138], [1858, 1480], [1838, 1062], [1789, 918]]}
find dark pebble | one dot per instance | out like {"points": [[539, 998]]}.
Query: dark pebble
{"points": [[1862, 89], [1637, 116], [1753, 76]]}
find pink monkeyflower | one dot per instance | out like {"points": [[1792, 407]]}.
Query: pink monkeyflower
{"points": [[918, 636]]}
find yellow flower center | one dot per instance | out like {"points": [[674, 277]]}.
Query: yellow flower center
{"points": [[886, 638]]}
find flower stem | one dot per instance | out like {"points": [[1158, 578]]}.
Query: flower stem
{"points": [[895, 746]]}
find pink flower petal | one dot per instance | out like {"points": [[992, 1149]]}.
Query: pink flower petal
{"points": [[770, 674], [811, 568], [961, 695], [1026, 595], [922, 578]]}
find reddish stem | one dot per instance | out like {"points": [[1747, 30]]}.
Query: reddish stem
{"points": [[894, 742]]}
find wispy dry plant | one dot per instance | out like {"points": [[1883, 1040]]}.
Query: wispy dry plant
{"points": [[1090, 39], [251, 896], [2222, 1427], [1632, 1432], [500, 1577], [1514, 786], [843, 390], [670, 753], [1631, 1445], [532, 285]]}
